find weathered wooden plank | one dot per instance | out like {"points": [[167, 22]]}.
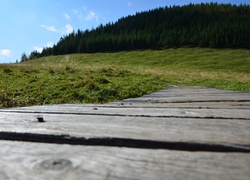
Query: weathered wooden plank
{"points": [[147, 112], [211, 131], [188, 105], [49, 161], [191, 94], [143, 121], [182, 118]]}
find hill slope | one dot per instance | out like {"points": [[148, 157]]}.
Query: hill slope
{"points": [[105, 77], [202, 25]]}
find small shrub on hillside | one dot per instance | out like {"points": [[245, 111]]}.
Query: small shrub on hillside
{"points": [[67, 68], [51, 71], [106, 95], [107, 71], [92, 86], [7, 70], [70, 69], [103, 80], [7, 101]]}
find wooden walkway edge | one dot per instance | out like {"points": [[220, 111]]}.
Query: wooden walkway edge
{"points": [[175, 133]]}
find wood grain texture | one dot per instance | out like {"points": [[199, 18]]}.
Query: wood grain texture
{"points": [[176, 133], [142, 112], [150, 128], [177, 94], [50, 161]]}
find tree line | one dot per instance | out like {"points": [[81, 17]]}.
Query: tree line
{"points": [[210, 25]]}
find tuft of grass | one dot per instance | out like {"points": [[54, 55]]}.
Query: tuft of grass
{"points": [[106, 77], [7, 70]]}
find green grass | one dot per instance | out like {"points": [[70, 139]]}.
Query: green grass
{"points": [[106, 77]]}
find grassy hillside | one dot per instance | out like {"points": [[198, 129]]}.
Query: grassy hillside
{"points": [[105, 77]]}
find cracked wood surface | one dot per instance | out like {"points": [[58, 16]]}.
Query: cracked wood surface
{"points": [[52, 161], [148, 128], [176, 133]]}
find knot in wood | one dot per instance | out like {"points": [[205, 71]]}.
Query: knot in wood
{"points": [[55, 164]]}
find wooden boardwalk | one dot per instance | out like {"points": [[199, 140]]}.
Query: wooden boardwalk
{"points": [[176, 133]]}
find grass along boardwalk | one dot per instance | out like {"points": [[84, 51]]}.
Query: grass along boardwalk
{"points": [[107, 77]]}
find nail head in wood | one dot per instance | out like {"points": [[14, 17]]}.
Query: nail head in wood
{"points": [[40, 119]]}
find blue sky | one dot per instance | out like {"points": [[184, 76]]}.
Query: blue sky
{"points": [[28, 25]]}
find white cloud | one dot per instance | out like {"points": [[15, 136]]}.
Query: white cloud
{"points": [[49, 44], [130, 4], [66, 16], [49, 28], [5, 52], [91, 16], [40, 49], [69, 29]]}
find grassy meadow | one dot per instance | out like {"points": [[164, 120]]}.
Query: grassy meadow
{"points": [[106, 77]]}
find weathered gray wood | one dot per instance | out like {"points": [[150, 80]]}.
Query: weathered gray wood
{"points": [[150, 128], [150, 112], [38, 161], [180, 102], [190, 117], [191, 94]]}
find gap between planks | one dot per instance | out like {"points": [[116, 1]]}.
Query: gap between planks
{"points": [[123, 142]]}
